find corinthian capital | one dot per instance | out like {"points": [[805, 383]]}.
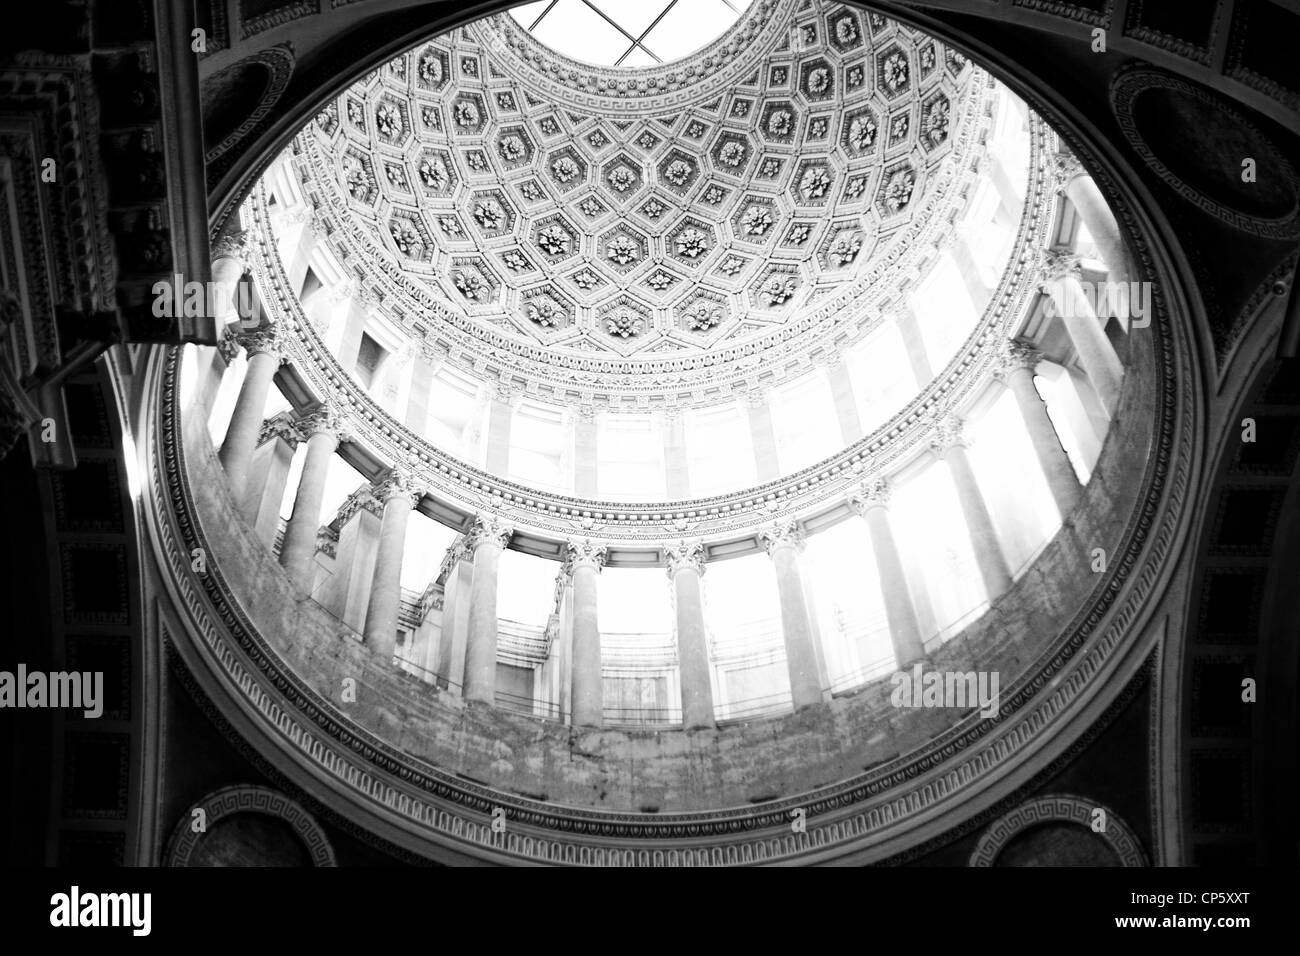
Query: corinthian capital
{"points": [[1057, 264], [584, 553], [1065, 167], [325, 419], [234, 245], [785, 534], [949, 432], [280, 426], [874, 493], [488, 529], [399, 482], [1013, 356], [266, 340], [684, 556]]}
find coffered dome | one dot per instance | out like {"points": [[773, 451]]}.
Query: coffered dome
{"points": [[678, 229]]}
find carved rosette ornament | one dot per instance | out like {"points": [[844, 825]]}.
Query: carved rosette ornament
{"points": [[585, 553], [399, 483], [488, 530], [784, 534], [684, 556]]}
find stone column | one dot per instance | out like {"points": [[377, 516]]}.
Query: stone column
{"points": [[583, 560], [949, 443], [1082, 191], [487, 539], [904, 628], [457, 573], [265, 353], [229, 263], [298, 550], [909, 330], [1016, 369], [783, 543], [268, 474], [685, 568], [676, 467], [767, 465], [584, 451], [1060, 281], [398, 493], [963, 258], [846, 403], [501, 412]]}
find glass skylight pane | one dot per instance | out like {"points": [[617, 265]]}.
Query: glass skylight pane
{"points": [[529, 12], [882, 378], [426, 544], [688, 26], [719, 449], [945, 312], [576, 30], [633, 15]]}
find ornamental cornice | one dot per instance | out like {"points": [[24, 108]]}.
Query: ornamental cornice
{"points": [[718, 518]]}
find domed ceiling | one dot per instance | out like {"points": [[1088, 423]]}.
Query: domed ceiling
{"points": [[687, 227]]}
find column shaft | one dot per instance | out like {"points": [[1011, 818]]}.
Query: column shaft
{"points": [[1087, 199], [481, 645], [846, 403], [909, 330], [1096, 354], [766, 464], [904, 628], [1061, 479], [386, 588], [588, 683], [800, 658], [692, 650], [298, 550], [246, 422], [979, 523]]}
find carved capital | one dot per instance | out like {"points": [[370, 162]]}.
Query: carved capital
{"points": [[684, 556], [584, 553], [508, 393], [324, 419], [281, 426], [1065, 168], [1013, 356], [1057, 264], [363, 499], [874, 493], [263, 341], [397, 483], [755, 397], [784, 534], [227, 345], [948, 432], [488, 530], [235, 245], [586, 413]]}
